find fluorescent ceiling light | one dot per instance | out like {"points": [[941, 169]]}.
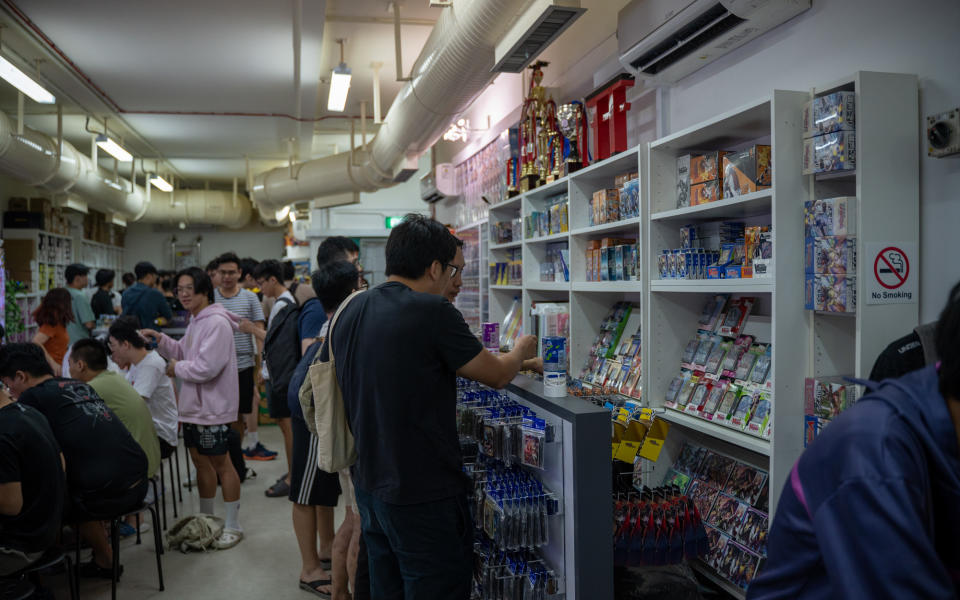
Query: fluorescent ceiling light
{"points": [[22, 82], [160, 183], [113, 149], [293, 217], [339, 87], [281, 214]]}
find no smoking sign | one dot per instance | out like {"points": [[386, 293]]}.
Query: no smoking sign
{"points": [[893, 280]]}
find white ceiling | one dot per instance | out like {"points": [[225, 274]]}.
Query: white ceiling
{"points": [[211, 56]]}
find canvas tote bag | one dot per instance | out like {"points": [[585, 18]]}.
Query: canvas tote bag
{"points": [[335, 444]]}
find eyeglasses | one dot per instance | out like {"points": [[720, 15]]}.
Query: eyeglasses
{"points": [[184, 290], [456, 269]]}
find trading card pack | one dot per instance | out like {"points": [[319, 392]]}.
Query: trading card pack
{"points": [[715, 469], [727, 513], [746, 483], [702, 495], [690, 458]]}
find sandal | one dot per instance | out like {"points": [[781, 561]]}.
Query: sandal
{"points": [[91, 569], [278, 490], [228, 539], [314, 587]]}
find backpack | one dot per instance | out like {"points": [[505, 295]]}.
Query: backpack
{"points": [[197, 532], [281, 347]]}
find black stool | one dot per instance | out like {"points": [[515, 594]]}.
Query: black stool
{"points": [[53, 558], [16, 589], [172, 461]]}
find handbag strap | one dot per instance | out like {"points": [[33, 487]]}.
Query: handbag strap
{"points": [[333, 321]]}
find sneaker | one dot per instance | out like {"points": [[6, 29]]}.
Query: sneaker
{"points": [[258, 452], [251, 474], [126, 529]]}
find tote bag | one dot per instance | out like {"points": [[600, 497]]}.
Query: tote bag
{"points": [[335, 444]]}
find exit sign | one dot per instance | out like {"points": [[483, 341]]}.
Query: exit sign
{"points": [[392, 222]]}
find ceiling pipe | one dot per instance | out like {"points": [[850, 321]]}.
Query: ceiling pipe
{"points": [[453, 68], [34, 159]]}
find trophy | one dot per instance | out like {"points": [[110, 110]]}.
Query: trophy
{"points": [[570, 120]]}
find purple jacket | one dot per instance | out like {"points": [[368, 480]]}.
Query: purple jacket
{"points": [[207, 367]]}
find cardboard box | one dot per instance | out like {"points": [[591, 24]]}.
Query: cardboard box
{"points": [[704, 193], [746, 172], [831, 255], [830, 113], [831, 293], [830, 216], [706, 167], [683, 181], [830, 152]]}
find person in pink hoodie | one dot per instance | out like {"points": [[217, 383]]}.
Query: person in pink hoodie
{"points": [[206, 364]]}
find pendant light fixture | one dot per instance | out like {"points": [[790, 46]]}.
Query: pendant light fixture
{"points": [[113, 149], [339, 84], [24, 83]]}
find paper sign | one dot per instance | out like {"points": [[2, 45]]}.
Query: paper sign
{"points": [[892, 277]]}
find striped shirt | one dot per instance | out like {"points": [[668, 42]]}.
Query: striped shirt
{"points": [[245, 305]]}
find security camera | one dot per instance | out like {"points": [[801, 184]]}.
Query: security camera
{"points": [[943, 134]]}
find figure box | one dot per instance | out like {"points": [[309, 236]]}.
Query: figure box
{"points": [[830, 152], [831, 255], [830, 113], [830, 216], [746, 172], [831, 293]]}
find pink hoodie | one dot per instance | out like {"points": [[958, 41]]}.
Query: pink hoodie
{"points": [[207, 367]]}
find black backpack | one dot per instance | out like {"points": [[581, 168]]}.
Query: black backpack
{"points": [[281, 347]]}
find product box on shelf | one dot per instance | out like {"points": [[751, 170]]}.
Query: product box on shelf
{"points": [[830, 216], [683, 181], [831, 293], [830, 113], [831, 255], [830, 152], [827, 397], [747, 171], [706, 167], [630, 199], [704, 193]]}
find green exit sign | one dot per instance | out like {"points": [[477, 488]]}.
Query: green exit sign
{"points": [[392, 222]]}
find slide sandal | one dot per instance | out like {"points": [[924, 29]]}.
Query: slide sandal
{"points": [[314, 587]]}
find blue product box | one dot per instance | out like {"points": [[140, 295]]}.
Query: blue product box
{"points": [[662, 268], [688, 236], [715, 272], [732, 272], [604, 264], [830, 293], [617, 274], [830, 113], [630, 199], [831, 255], [835, 151], [830, 216]]}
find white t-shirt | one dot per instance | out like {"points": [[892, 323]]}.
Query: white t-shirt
{"points": [[274, 311], [150, 380]]}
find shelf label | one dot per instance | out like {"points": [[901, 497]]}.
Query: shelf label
{"points": [[893, 279]]}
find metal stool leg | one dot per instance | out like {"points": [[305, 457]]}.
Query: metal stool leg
{"points": [[115, 544], [173, 495], [158, 546], [179, 483]]}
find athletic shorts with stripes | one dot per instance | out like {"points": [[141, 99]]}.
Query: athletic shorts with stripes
{"points": [[308, 484]]}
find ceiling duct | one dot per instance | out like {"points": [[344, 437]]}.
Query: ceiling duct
{"points": [[454, 67], [540, 24], [32, 158]]}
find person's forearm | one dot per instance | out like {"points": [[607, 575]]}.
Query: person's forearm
{"points": [[511, 363]]}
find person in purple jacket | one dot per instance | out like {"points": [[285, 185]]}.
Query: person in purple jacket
{"points": [[206, 364], [872, 509]]}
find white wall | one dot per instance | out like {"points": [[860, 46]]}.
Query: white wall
{"points": [[143, 243]]}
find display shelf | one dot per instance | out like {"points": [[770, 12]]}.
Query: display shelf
{"points": [[506, 246], [632, 225], [501, 288], [719, 286], [508, 204], [721, 432], [607, 286], [735, 591], [543, 239], [748, 205], [470, 301], [547, 286]]}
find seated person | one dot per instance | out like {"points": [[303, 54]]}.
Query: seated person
{"points": [[31, 485], [88, 363], [106, 469], [147, 373]]}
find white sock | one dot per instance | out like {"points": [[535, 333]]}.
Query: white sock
{"points": [[251, 440], [233, 515], [206, 506]]}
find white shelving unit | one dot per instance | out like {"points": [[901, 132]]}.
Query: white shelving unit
{"points": [[101, 256], [473, 298]]}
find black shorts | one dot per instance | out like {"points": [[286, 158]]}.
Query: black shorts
{"points": [[166, 450], [209, 440], [277, 401], [80, 508], [308, 484], [245, 379]]}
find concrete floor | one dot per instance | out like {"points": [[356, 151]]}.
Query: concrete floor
{"points": [[266, 564]]}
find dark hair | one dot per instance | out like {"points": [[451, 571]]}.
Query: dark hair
{"points": [[75, 270], [104, 276], [335, 248], [128, 279], [948, 349], [228, 257], [167, 284], [333, 282], [459, 242], [269, 268], [144, 268], [213, 265], [56, 308], [288, 271], [247, 266], [125, 329], [415, 243], [91, 351], [28, 358], [201, 281]]}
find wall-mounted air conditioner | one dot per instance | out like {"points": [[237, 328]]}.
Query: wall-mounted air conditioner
{"points": [[662, 41], [438, 184]]}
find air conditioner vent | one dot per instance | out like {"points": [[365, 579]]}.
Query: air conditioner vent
{"points": [[543, 26], [708, 26]]}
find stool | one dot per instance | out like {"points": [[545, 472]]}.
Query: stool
{"points": [[54, 557], [16, 589], [172, 460]]}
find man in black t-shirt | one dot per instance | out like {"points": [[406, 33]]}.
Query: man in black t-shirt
{"points": [[106, 469], [31, 485], [907, 354], [398, 349]]}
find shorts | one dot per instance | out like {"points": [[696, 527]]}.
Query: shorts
{"points": [[12, 560], [308, 484], [277, 401], [245, 379], [81, 508], [209, 440]]}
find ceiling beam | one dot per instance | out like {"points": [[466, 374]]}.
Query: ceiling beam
{"points": [[379, 20]]}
